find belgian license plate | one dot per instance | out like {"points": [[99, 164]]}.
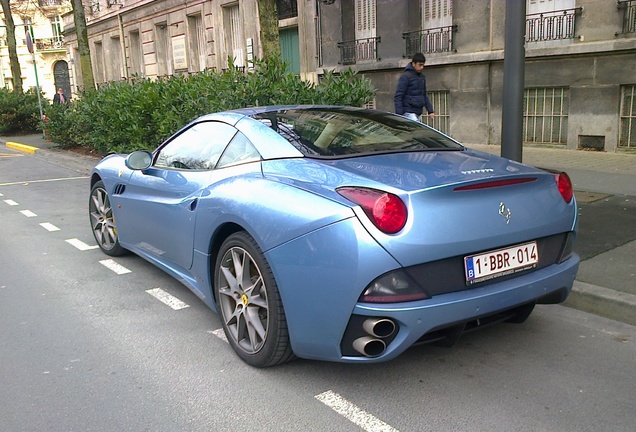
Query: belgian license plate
{"points": [[501, 262]]}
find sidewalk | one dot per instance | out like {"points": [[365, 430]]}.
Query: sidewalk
{"points": [[606, 283]]}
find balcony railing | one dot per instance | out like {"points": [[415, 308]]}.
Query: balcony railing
{"points": [[629, 15], [433, 40], [357, 50], [49, 44], [50, 3], [551, 25]]}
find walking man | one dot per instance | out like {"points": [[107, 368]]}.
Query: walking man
{"points": [[410, 95]]}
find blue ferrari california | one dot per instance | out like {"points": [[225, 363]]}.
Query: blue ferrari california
{"points": [[338, 233]]}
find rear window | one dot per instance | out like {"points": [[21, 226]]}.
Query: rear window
{"points": [[347, 131]]}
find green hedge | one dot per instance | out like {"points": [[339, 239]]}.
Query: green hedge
{"points": [[19, 113], [139, 114]]}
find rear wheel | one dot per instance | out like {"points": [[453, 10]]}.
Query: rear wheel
{"points": [[249, 303], [103, 221]]}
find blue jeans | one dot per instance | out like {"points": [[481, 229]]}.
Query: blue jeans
{"points": [[412, 116]]}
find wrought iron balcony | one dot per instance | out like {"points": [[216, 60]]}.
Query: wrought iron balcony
{"points": [[549, 26], [433, 40], [629, 15], [50, 3], [45, 44], [357, 50]]}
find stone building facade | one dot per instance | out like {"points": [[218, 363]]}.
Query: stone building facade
{"points": [[43, 20], [580, 70]]}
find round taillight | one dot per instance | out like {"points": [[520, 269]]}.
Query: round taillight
{"points": [[565, 186], [385, 210]]}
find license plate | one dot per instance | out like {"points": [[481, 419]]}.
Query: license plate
{"points": [[501, 262]]}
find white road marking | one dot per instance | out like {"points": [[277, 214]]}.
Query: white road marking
{"points": [[353, 413], [28, 213], [220, 334], [26, 182], [11, 202], [80, 244], [167, 299], [112, 265], [49, 227]]}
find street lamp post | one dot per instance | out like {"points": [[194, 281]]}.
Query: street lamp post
{"points": [[31, 49]]}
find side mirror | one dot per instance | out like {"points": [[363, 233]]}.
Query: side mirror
{"points": [[139, 160]]}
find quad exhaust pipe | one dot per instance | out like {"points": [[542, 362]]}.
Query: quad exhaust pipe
{"points": [[377, 329], [368, 346]]}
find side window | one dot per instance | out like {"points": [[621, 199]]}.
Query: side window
{"points": [[198, 147], [240, 151]]}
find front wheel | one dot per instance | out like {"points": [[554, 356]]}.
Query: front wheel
{"points": [[103, 221], [249, 303]]}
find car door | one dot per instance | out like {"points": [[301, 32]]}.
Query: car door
{"points": [[160, 202]]}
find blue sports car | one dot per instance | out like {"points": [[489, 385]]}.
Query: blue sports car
{"points": [[338, 233]]}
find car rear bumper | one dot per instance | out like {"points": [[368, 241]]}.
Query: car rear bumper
{"points": [[414, 321]]}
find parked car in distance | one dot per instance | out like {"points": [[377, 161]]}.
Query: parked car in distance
{"points": [[339, 233]]}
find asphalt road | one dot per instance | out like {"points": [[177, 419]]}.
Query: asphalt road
{"points": [[86, 347]]}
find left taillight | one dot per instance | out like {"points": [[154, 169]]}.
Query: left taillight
{"points": [[386, 210], [565, 186]]}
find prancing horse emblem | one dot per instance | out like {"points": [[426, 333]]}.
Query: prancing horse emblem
{"points": [[505, 212]]}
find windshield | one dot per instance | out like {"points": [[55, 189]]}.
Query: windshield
{"points": [[348, 131]]}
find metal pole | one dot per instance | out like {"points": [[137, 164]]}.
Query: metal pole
{"points": [[31, 49], [513, 85]]}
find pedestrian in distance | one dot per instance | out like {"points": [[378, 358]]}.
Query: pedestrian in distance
{"points": [[59, 97], [410, 94]]}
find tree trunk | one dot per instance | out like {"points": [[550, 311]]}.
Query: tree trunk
{"points": [[82, 42], [268, 19], [11, 44]]}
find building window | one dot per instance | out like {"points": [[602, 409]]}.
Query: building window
{"points": [[117, 72], [99, 63], [287, 9], [629, 15], [56, 31], [135, 53], [437, 29], [162, 51], [439, 100], [628, 117], [196, 42], [234, 34], [545, 116]]}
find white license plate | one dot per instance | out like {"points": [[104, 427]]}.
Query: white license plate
{"points": [[497, 263]]}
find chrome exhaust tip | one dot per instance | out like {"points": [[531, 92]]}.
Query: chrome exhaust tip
{"points": [[368, 346], [379, 327]]}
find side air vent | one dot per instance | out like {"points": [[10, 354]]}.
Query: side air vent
{"points": [[119, 189]]}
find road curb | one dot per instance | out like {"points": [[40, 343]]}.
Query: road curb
{"points": [[616, 305], [22, 147]]}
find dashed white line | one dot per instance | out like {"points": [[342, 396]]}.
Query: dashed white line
{"points": [[167, 299], [354, 414], [220, 334], [80, 244], [112, 265], [49, 227], [11, 202], [28, 213]]}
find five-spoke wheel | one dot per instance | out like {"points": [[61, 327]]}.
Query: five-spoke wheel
{"points": [[249, 303], [103, 222]]}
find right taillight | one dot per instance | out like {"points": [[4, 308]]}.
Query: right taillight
{"points": [[565, 186], [385, 210]]}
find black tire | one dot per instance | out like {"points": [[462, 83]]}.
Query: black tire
{"points": [[249, 303], [103, 221]]}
